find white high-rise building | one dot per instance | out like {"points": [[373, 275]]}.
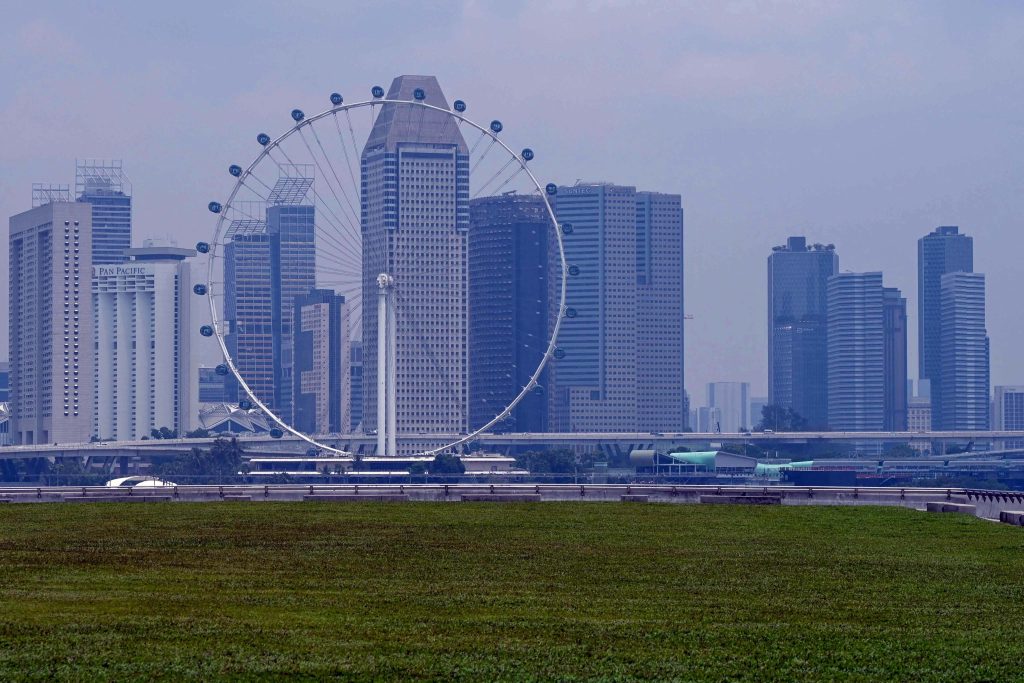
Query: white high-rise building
{"points": [[141, 315], [51, 320]]}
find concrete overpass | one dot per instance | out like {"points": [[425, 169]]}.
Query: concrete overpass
{"points": [[604, 440]]}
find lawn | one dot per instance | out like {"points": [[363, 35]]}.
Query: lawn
{"points": [[507, 591]]}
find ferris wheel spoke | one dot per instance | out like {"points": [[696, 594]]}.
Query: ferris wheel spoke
{"points": [[495, 177], [345, 234], [483, 156], [327, 178], [344, 147], [338, 237], [477, 143], [340, 261]]}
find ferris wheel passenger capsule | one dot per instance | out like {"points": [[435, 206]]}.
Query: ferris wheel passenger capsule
{"points": [[203, 247], [459, 106], [200, 289], [574, 270], [206, 331], [496, 126], [276, 433], [298, 115], [527, 154], [336, 99], [214, 207], [245, 404], [263, 139], [377, 91], [235, 170], [566, 228], [419, 94], [559, 354], [221, 370], [551, 188]]}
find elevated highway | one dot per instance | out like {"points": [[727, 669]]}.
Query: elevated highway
{"points": [[623, 441]]}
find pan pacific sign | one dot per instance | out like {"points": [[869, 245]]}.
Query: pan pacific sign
{"points": [[117, 271]]}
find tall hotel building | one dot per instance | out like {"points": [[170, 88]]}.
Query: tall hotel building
{"points": [[415, 220], [103, 185], [962, 402], [797, 328], [51, 332], [141, 317], [508, 309], [622, 339]]}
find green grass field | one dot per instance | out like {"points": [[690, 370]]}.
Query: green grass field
{"points": [[505, 591]]}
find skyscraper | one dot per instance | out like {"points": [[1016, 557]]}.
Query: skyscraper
{"points": [[212, 387], [1009, 412], [508, 308], [5, 381], [797, 328], [732, 399], [867, 346], [322, 386], [290, 228], [622, 338], [415, 217], [856, 352], [142, 364], [944, 250], [103, 185], [356, 382], [962, 399], [659, 312], [594, 386], [248, 309], [894, 311], [51, 330]]}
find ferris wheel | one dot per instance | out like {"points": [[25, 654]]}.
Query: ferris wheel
{"points": [[415, 253]]}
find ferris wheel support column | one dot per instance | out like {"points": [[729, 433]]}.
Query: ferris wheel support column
{"points": [[392, 338], [385, 366]]}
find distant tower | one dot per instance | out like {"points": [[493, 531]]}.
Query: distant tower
{"points": [[322, 386], [51, 326], [142, 366], [291, 232], [894, 311], [248, 309], [104, 185], [732, 399], [856, 352], [508, 308], [797, 328], [944, 250], [962, 402], [415, 219], [660, 402]]}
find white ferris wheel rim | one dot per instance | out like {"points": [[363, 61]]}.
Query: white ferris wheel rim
{"points": [[240, 183]]}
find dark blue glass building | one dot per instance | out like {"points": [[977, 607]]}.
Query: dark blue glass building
{"points": [[508, 308], [797, 328], [104, 185], [248, 309], [291, 231]]}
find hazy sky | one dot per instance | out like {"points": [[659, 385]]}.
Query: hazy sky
{"points": [[864, 124]]}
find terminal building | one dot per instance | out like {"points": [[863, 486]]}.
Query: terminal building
{"points": [[141, 315]]}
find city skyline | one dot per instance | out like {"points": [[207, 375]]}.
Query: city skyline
{"points": [[751, 117]]}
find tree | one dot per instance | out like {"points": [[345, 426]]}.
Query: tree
{"points": [[197, 434], [223, 459], [779, 419], [446, 463]]}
